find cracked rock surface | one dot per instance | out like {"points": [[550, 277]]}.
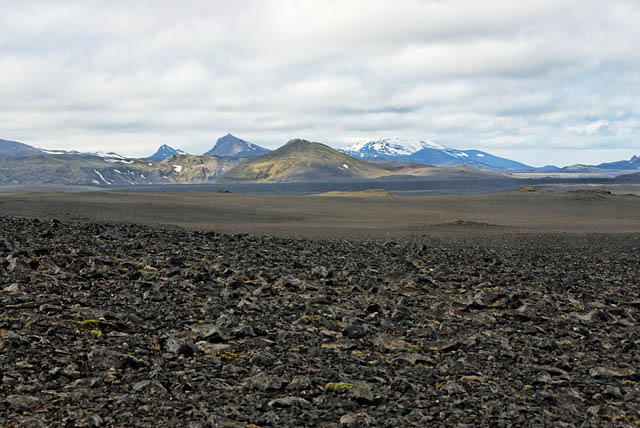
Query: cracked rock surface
{"points": [[128, 325]]}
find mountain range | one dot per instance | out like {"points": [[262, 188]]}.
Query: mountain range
{"points": [[227, 146], [302, 160], [298, 160], [624, 165], [234, 159], [405, 150]]}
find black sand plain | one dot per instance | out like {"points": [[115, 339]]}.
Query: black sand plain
{"points": [[296, 216], [208, 309]]}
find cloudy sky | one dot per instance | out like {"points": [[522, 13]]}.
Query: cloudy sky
{"points": [[542, 82]]}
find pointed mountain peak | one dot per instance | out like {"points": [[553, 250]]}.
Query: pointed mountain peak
{"points": [[164, 151], [232, 146]]}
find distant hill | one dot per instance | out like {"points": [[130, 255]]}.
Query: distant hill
{"points": [[428, 152], [88, 169], [301, 160], [14, 149], [199, 168], [164, 152], [631, 164], [633, 177], [232, 146], [619, 166]]}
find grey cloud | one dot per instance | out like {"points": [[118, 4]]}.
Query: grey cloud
{"points": [[530, 80]]}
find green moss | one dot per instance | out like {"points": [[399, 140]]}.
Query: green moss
{"points": [[414, 349], [226, 356], [338, 386], [29, 323], [311, 317], [92, 326]]}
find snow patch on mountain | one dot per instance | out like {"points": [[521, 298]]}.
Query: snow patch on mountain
{"points": [[101, 176], [429, 152], [392, 146]]}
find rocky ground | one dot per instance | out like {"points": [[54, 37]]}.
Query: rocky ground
{"points": [[128, 325]]}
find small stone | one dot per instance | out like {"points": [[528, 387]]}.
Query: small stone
{"points": [[355, 330], [453, 388], [13, 288], [263, 382], [174, 261], [23, 402], [213, 333], [362, 392], [149, 387], [320, 272], [188, 349], [373, 308], [613, 392], [608, 372], [263, 358], [299, 383], [348, 419], [169, 343], [97, 420], [401, 313], [289, 402]]}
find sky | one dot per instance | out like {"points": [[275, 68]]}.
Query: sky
{"points": [[541, 82]]}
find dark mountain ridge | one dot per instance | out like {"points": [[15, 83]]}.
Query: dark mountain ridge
{"points": [[232, 146], [15, 149]]}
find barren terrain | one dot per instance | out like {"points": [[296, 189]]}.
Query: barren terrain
{"points": [[133, 309], [516, 212]]}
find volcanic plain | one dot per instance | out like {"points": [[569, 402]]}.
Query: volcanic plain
{"points": [[207, 309]]}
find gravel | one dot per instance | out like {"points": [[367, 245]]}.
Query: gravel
{"points": [[127, 325]]}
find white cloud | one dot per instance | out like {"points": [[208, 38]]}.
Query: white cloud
{"points": [[589, 128], [527, 79]]}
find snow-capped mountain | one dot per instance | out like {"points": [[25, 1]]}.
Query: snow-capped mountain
{"points": [[429, 152], [388, 147], [110, 157], [164, 152]]}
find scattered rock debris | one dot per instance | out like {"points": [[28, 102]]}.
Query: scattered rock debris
{"points": [[129, 325]]}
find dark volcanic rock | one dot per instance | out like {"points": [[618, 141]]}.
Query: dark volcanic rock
{"points": [[128, 325]]}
